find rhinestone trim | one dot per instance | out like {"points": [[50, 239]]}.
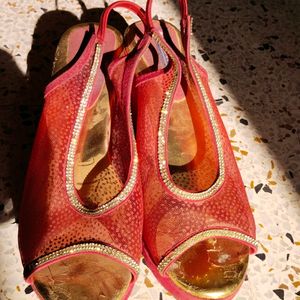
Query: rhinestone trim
{"points": [[73, 196], [201, 237], [163, 167], [86, 247]]}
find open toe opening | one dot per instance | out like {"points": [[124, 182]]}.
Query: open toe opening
{"points": [[84, 277], [212, 269]]}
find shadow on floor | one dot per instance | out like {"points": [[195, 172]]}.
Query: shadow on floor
{"points": [[21, 99], [254, 45], [14, 124]]}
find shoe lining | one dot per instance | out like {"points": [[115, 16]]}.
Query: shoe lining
{"points": [[191, 153], [84, 277], [212, 269], [98, 174]]}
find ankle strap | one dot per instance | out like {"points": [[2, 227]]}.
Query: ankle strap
{"points": [[185, 23], [124, 4]]}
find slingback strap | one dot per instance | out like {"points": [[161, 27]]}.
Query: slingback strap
{"points": [[183, 11], [124, 4], [185, 23]]}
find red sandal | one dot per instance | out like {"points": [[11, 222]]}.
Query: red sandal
{"points": [[198, 226], [80, 231]]}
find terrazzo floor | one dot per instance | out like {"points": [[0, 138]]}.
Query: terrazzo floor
{"points": [[251, 52]]}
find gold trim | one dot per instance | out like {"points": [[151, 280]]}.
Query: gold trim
{"points": [[201, 237], [163, 168], [86, 247], [73, 196]]}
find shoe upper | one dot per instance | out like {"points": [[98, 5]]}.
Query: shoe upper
{"points": [[171, 217], [48, 220]]}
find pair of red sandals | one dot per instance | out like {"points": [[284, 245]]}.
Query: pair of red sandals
{"points": [[131, 156]]}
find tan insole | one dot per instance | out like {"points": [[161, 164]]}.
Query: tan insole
{"points": [[215, 268], [96, 179], [84, 277], [88, 276], [212, 269], [191, 153]]}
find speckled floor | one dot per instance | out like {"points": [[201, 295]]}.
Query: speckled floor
{"points": [[251, 52]]}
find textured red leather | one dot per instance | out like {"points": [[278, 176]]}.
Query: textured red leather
{"points": [[169, 220], [48, 221]]}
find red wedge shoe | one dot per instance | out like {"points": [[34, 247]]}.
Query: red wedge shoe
{"points": [[198, 225], [81, 219]]}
